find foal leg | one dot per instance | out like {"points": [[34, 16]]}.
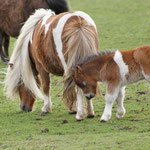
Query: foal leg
{"points": [[80, 105], [90, 110], [109, 100], [120, 108]]}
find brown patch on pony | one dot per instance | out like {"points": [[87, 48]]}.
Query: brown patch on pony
{"points": [[142, 57]]}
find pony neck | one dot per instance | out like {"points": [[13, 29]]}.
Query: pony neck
{"points": [[96, 66]]}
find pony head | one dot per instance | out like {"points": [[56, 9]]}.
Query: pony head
{"points": [[86, 82], [26, 99]]}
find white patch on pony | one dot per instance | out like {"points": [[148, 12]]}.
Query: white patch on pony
{"points": [[47, 27], [57, 33], [122, 66], [47, 104], [46, 17], [109, 100], [44, 20]]}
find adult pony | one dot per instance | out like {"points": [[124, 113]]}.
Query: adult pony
{"points": [[13, 13], [116, 69], [53, 44]]}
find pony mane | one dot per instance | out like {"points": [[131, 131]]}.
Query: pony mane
{"points": [[81, 39], [91, 57]]}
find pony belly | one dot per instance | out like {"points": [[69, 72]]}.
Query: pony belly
{"points": [[133, 78]]}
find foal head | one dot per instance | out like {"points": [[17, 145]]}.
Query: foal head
{"points": [[86, 81]]}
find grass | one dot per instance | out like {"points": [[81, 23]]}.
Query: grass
{"points": [[121, 25]]}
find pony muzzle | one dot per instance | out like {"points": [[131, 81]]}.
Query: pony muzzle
{"points": [[25, 108], [89, 96]]}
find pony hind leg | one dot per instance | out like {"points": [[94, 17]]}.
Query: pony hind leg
{"points": [[46, 89], [120, 108]]}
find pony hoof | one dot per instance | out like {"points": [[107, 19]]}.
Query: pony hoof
{"points": [[44, 113], [103, 121], [72, 112], [90, 116], [78, 120]]}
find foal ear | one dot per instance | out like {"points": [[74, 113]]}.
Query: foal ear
{"points": [[79, 69]]}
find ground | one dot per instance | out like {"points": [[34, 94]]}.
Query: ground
{"points": [[121, 25]]}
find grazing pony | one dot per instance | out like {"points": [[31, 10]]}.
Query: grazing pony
{"points": [[116, 70], [13, 13], [51, 43]]}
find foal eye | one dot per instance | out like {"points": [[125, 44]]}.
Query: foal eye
{"points": [[84, 83]]}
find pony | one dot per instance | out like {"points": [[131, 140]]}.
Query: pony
{"points": [[14, 13], [116, 69], [51, 44]]}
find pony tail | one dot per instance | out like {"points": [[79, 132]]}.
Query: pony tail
{"points": [[19, 70], [82, 40]]}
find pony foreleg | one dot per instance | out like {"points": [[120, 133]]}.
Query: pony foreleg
{"points": [[6, 45], [1, 49], [109, 100], [90, 110], [80, 105], [120, 108]]}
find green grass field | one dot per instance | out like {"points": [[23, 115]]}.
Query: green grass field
{"points": [[122, 24]]}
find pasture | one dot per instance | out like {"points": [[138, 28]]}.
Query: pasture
{"points": [[121, 25]]}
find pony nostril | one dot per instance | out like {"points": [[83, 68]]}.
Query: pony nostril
{"points": [[90, 96], [25, 108]]}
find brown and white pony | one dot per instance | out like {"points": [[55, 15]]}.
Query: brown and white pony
{"points": [[51, 43], [13, 14], [116, 70]]}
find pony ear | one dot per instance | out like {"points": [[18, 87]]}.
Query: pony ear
{"points": [[79, 69]]}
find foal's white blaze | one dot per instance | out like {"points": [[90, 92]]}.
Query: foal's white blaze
{"points": [[57, 33], [47, 104], [122, 66]]}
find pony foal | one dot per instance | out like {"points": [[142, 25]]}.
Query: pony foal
{"points": [[116, 70]]}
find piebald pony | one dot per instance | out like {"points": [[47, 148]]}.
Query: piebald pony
{"points": [[116, 70], [51, 43]]}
